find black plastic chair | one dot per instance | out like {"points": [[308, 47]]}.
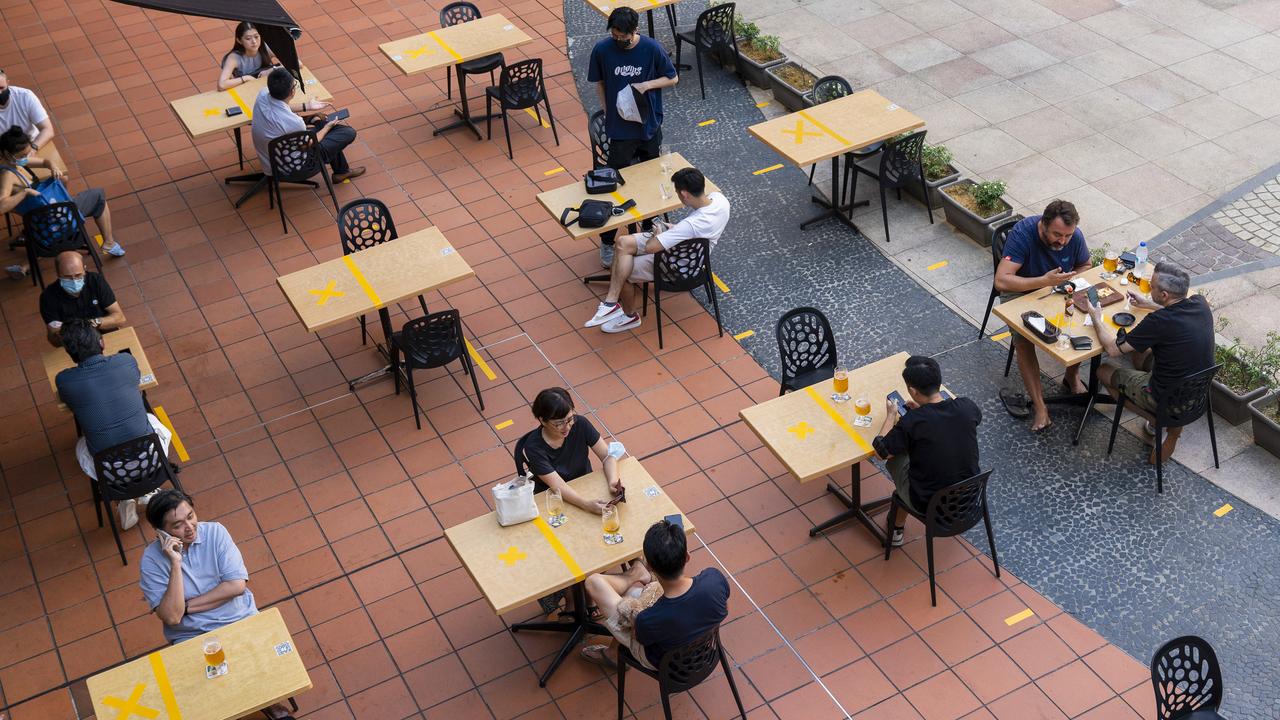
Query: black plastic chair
{"points": [[599, 140], [807, 348], [457, 13], [520, 86], [899, 166], [53, 229], [713, 33], [1187, 680], [430, 342], [826, 89], [998, 239], [681, 670], [1178, 406], [952, 510], [295, 158], [363, 224], [683, 268], [127, 472]]}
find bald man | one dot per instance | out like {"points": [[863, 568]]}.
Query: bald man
{"points": [[77, 294]]}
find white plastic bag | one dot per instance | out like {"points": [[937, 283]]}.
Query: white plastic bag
{"points": [[632, 104], [513, 501]]}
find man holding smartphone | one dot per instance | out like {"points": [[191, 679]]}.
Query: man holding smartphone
{"points": [[277, 113]]}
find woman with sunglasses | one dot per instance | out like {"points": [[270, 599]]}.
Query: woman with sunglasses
{"points": [[557, 451]]}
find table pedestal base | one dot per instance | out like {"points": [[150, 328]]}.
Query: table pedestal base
{"points": [[578, 629], [858, 510], [843, 213], [259, 181], [467, 120], [1086, 399]]}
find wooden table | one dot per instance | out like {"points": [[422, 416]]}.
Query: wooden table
{"points": [[516, 565], [57, 359], [264, 668], [814, 436], [604, 7], [1050, 305], [452, 45], [350, 286], [828, 131]]}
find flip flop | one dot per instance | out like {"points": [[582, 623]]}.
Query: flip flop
{"points": [[599, 655], [1015, 403], [1042, 429]]}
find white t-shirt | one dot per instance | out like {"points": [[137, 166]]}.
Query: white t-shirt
{"points": [[24, 110], [704, 222]]}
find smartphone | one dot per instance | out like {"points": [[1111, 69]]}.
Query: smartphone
{"points": [[946, 395], [676, 519], [342, 114], [897, 398], [162, 536], [1093, 295], [234, 111]]}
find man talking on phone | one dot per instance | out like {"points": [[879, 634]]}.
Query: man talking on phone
{"points": [[276, 112], [1042, 251]]}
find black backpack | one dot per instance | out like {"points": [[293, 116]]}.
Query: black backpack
{"points": [[594, 213]]}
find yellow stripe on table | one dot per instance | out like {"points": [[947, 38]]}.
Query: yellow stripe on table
{"points": [[434, 35], [838, 419], [360, 279], [620, 201], [818, 124], [247, 110], [559, 549]]}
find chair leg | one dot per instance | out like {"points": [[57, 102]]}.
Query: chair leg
{"points": [[715, 305], [448, 84], [1213, 438], [423, 302], [933, 586], [1115, 422], [284, 225], [884, 212], [622, 685], [888, 524], [728, 675], [332, 195], [475, 382], [1159, 459], [657, 312], [928, 201], [1008, 361], [991, 537], [364, 332], [811, 169], [488, 116], [111, 518], [33, 262], [679, 47], [97, 500], [293, 704], [644, 299], [991, 302], [271, 194], [413, 392], [506, 128], [697, 54], [666, 705], [395, 366], [554, 133]]}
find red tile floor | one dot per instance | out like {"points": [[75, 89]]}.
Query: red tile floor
{"points": [[338, 502]]}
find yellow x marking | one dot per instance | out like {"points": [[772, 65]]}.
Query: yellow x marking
{"points": [[418, 52], [512, 556], [800, 132], [327, 292], [801, 429], [129, 708]]}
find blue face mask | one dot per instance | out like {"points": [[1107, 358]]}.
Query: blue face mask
{"points": [[72, 286], [22, 162]]}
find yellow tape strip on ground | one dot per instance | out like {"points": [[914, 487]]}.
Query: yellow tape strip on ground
{"points": [[1000, 336], [1223, 510], [617, 198], [744, 334], [705, 123], [720, 283], [504, 424], [1015, 619], [166, 690], [176, 441], [361, 281], [838, 419], [479, 361], [762, 103], [248, 111], [938, 265], [771, 168], [445, 45], [559, 549], [823, 128], [534, 115], [553, 171]]}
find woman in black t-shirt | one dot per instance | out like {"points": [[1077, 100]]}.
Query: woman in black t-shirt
{"points": [[557, 451]]}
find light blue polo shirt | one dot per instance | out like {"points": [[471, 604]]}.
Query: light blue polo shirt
{"points": [[210, 560]]}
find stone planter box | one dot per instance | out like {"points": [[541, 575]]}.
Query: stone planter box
{"points": [[1266, 433], [935, 193], [754, 72], [1232, 407], [977, 228], [792, 98]]}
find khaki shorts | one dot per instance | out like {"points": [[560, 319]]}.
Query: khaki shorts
{"points": [[1134, 385]]}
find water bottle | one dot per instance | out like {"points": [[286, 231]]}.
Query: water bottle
{"points": [[1142, 253]]}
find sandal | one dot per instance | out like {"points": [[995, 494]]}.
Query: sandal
{"points": [[1015, 403], [599, 655]]}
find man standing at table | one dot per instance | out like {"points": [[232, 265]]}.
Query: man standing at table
{"points": [[1168, 345], [1042, 251], [276, 113], [628, 59], [78, 295]]}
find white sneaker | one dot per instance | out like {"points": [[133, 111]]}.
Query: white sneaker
{"points": [[142, 501], [622, 323], [128, 514], [898, 537], [604, 313]]}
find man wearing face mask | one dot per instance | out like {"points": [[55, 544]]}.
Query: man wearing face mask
{"points": [[1042, 251], [626, 58], [78, 295], [19, 106]]}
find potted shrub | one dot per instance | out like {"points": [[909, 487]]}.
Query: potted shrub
{"points": [[1237, 383], [790, 83], [938, 171], [1266, 423], [971, 207], [758, 52]]}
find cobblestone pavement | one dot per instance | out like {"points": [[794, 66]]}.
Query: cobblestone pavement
{"points": [[1238, 232]]}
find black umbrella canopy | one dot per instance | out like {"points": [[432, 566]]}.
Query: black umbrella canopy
{"points": [[277, 28]]}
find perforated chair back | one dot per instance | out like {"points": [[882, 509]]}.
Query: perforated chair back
{"points": [[456, 13], [958, 507], [683, 668], [520, 84], [999, 238], [805, 342], [1186, 677], [830, 88], [1185, 402], [131, 469], [900, 162], [295, 156], [684, 267], [599, 140], [714, 30], [54, 228], [364, 223], [434, 340]]}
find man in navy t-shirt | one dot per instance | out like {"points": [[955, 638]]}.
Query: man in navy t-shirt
{"points": [[1040, 252], [688, 607], [627, 58]]}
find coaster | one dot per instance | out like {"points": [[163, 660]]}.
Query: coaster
{"points": [[651, 491], [862, 421], [556, 521], [212, 672], [284, 648]]}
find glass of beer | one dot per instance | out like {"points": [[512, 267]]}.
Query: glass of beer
{"points": [[555, 507], [611, 521], [840, 385], [215, 659], [1144, 283], [1110, 261], [862, 405]]}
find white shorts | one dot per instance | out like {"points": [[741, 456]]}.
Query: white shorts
{"points": [[86, 458], [642, 271]]}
